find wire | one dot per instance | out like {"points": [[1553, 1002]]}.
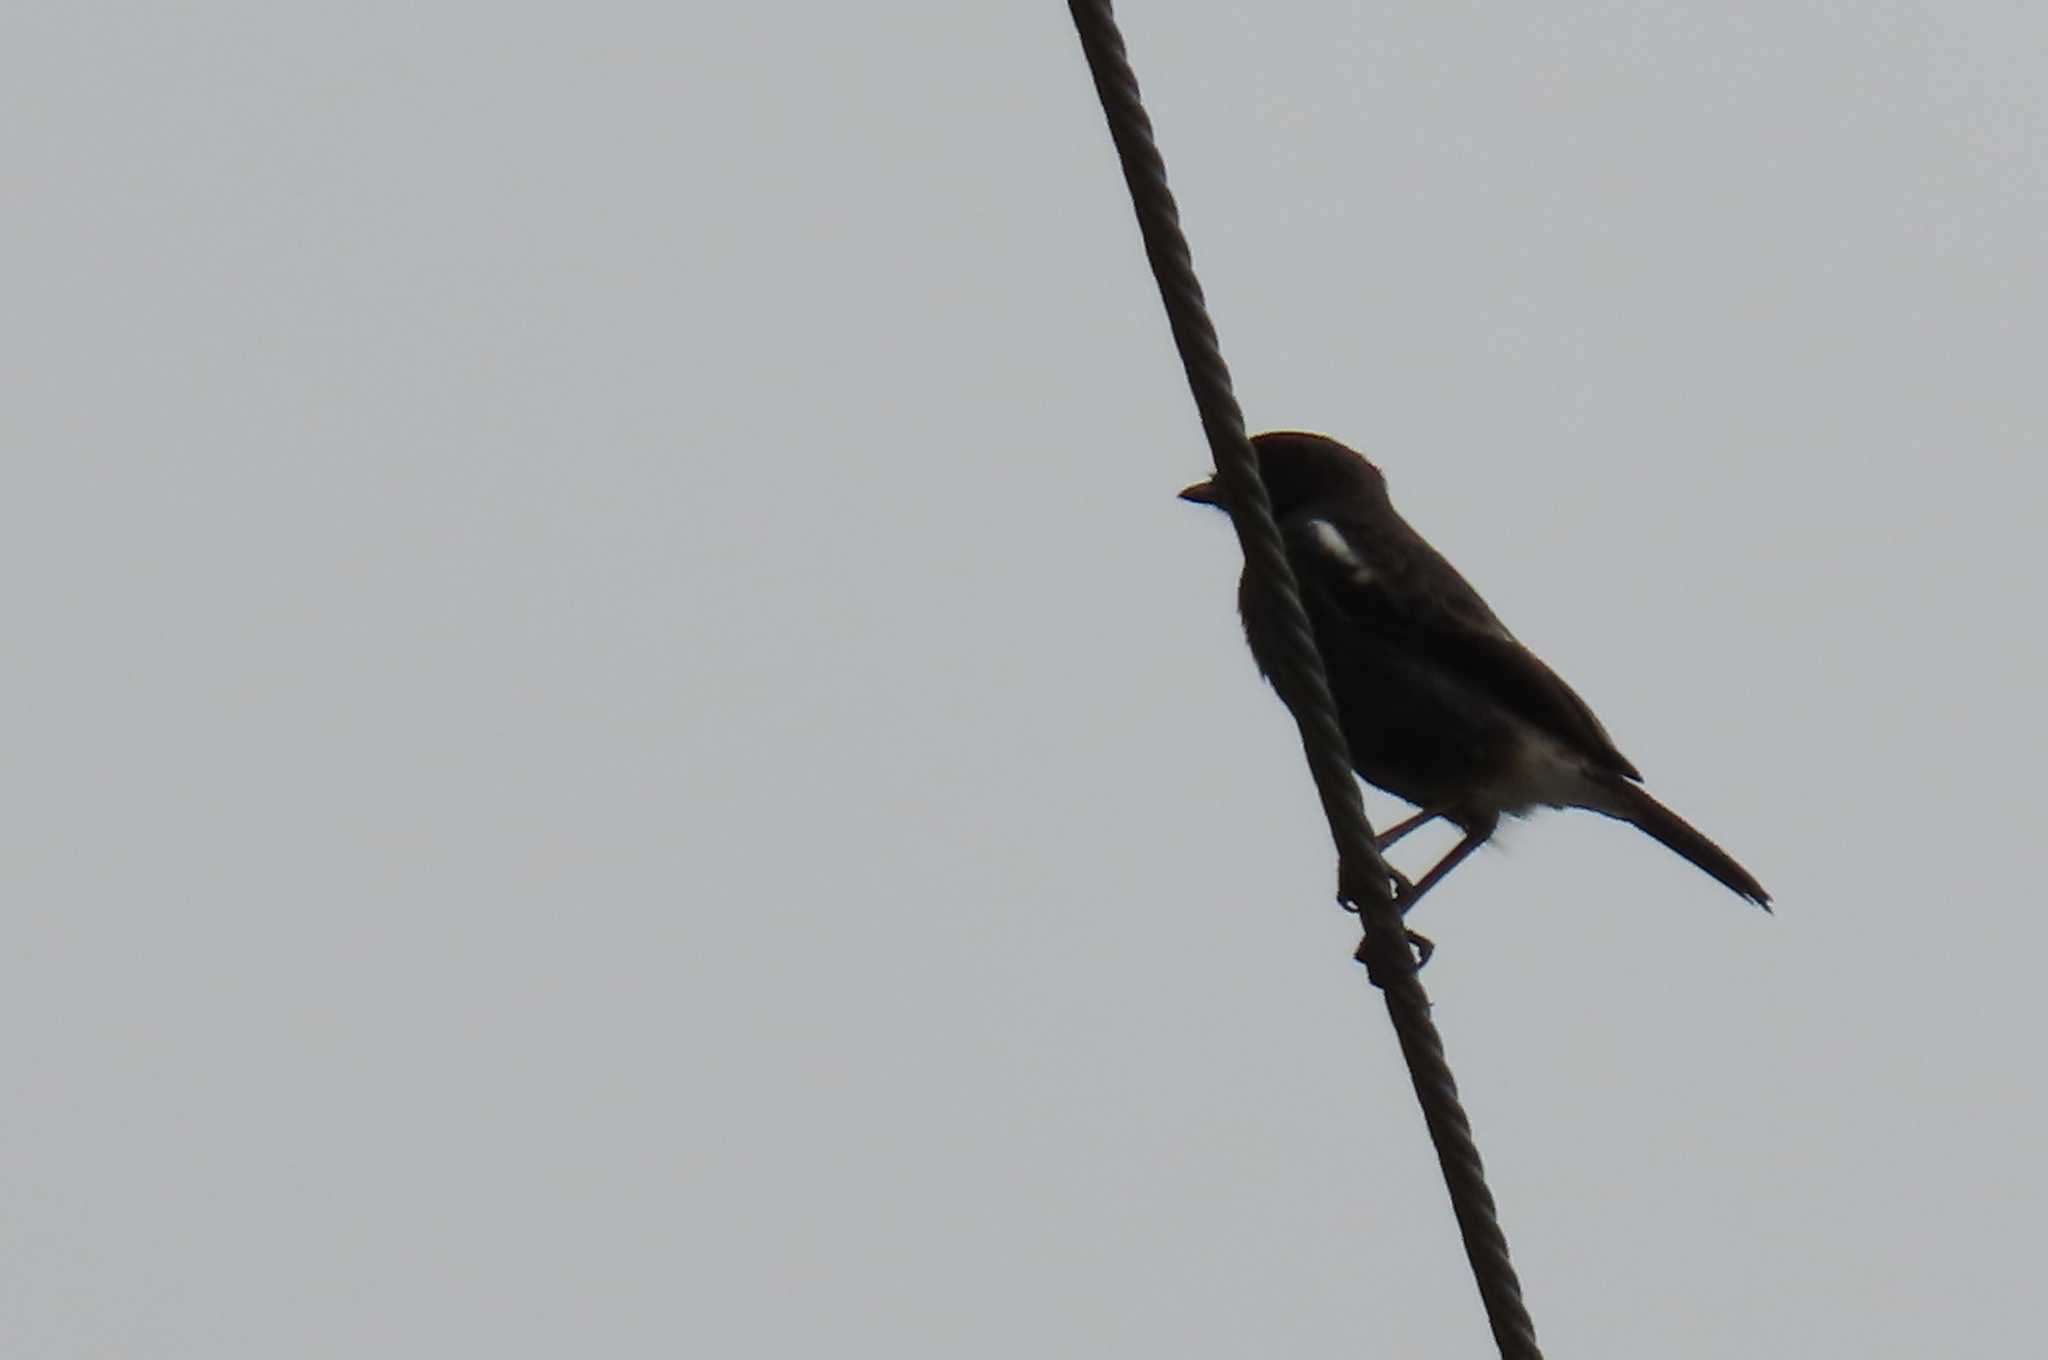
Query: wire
{"points": [[1362, 877]]}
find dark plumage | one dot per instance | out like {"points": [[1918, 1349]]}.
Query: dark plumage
{"points": [[1439, 702]]}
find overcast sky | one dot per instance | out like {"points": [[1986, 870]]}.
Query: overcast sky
{"points": [[619, 746]]}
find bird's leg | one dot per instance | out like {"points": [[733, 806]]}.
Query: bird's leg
{"points": [[1475, 837], [1406, 893], [1385, 840]]}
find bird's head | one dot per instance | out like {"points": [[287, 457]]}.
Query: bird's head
{"points": [[1303, 469]]}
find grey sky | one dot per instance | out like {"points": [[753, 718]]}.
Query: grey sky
{"points": [[621, 748]]}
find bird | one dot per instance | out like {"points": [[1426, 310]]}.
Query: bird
{"points": [[1441, 705]]}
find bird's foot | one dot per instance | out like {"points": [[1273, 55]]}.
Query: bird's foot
{"points": [[1423, 946], [1404, 893], [1403, 889]]}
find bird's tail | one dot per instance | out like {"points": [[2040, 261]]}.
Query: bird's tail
{"points": [[1638, 808]]}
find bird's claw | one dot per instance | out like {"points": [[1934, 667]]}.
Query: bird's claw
{"points": [[1423, 946], [1404, 892], [1403, 889]]}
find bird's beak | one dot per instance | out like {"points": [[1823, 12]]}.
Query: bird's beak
{"points": [[1202, 493]]}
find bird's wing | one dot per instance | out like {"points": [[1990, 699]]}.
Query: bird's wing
{"points": [[1391, 583]]}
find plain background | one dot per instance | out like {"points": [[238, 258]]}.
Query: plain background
{"points": [[617, 744]]}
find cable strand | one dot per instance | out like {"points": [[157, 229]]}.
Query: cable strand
{"points": [[1363, 881]]}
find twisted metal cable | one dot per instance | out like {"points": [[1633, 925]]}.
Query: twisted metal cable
{"points": [[1363, 881]]}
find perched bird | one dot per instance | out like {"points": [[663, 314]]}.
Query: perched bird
{"points": [[1440, 704]]}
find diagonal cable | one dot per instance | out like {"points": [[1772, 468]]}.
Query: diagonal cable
{"points": [[1362, 877]]}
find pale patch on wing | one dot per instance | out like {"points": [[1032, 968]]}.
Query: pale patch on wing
{"points": [[1330, 540]]}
